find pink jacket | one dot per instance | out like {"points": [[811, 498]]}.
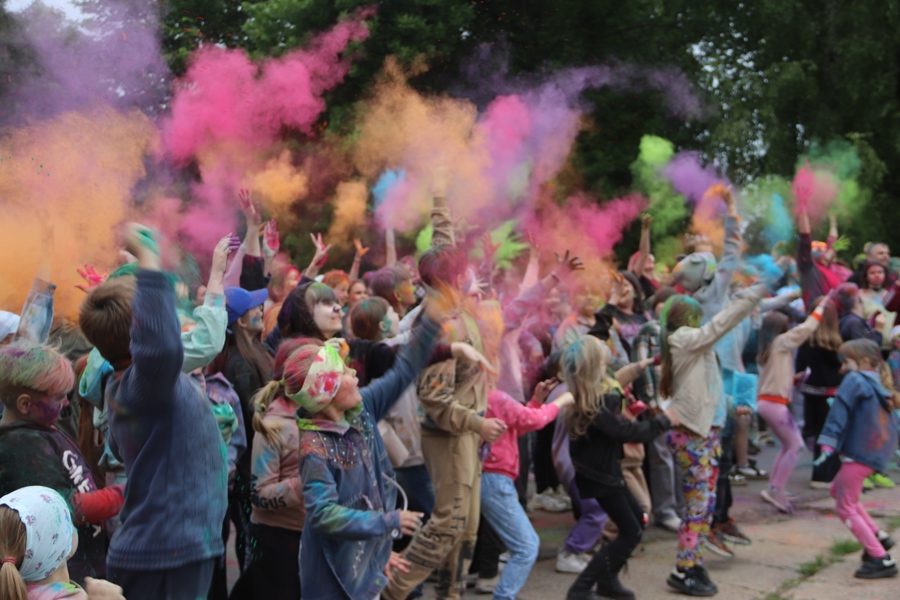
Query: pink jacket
{"points": [[504, 457], [276, 489]]}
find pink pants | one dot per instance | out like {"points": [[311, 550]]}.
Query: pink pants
{"points": [[845, 489], [779, 419]]}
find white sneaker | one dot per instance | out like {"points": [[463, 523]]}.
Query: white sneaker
{"points": [[563, 496], [486, 586], [505, 556], [672, 523], [570, 563], [547, 501]]}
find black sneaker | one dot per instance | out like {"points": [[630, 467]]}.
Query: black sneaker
{"points": [[887, 542], [611, 587], [688, 582], [703, 575], [876, 568]]}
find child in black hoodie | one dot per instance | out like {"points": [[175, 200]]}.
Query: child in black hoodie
{"points": [[597, 431]]}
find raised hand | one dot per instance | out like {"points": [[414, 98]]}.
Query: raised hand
{"points": [[566, 264], [250, 209], [646, 220], [226, 246], [273, 240], [92, 277], [141, 241], [360, 249], [321, 249]]}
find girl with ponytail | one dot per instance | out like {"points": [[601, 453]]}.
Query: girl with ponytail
{"points": [[277, 510], [862, 429], [36, 540], [692, 381]]}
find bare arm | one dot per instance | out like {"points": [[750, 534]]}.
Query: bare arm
{"points": [[644, 247], [390, 244]]}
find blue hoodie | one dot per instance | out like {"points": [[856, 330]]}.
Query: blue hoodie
{"points": [[861, 424]]}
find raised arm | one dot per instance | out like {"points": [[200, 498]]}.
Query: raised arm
{"points": [[699, 339], [644, 247], [319, 258], [390, 247], [383, 393], [156, 351], [443, 234], [206, 340], [253, 218], [357, 259]]}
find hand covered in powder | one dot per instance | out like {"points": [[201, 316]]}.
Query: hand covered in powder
{"points": [[566, 265], [141, 241], [273, 240], [250, 209], [92, 277], [321, 250]]}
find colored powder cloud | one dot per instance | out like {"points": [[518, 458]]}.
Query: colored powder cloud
{"points": [[65, 189], [349, 212]]}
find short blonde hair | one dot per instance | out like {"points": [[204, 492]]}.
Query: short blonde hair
{"points": [[26, 366], [105, 318]]}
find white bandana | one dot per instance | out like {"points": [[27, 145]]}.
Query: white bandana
{"points": [[48, 527]]}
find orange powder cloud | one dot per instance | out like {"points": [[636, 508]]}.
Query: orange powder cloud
{"points": [[65, 188]]}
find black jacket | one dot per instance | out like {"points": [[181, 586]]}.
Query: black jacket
{"points": [[596, 455], [35, 455]]}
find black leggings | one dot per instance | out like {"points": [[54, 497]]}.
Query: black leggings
{"points": [[275, 565], [628, 516]]}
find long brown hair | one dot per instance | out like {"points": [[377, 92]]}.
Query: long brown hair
{"points": [[828, 334], [13, 539], [584, 373], [678, 311], [774, 324]]}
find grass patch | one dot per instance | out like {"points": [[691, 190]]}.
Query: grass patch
{"points": [[808, 569], [845, 546], [893, 522]]}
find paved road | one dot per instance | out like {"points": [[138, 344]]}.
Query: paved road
{"points": [[768, 569]]}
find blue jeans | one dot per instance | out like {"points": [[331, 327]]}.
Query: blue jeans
{"points": [[500, 506]]}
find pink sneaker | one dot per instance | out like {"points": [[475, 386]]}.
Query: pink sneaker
{"points": [[777, 499]]}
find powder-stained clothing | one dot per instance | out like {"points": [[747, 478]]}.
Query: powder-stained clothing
{"points": [[57, 591], [276, 489], [776, 377], [646, 345], [697, 383], [816, 280], [519, 419], [862, 424], [713, 296], [350, 516], [32, 454], [162, 429]]}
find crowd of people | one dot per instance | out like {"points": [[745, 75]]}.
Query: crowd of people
{"points": [[360, 436]]}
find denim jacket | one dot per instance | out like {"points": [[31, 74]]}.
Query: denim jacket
{"points": [[861, 425], [350, 516]]}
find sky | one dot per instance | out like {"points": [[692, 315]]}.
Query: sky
{"points": [[70, 10]]}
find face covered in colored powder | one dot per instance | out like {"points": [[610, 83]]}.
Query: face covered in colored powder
{"points": [[390, 325], [252, 320], [40, 408], [348, 394]]}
